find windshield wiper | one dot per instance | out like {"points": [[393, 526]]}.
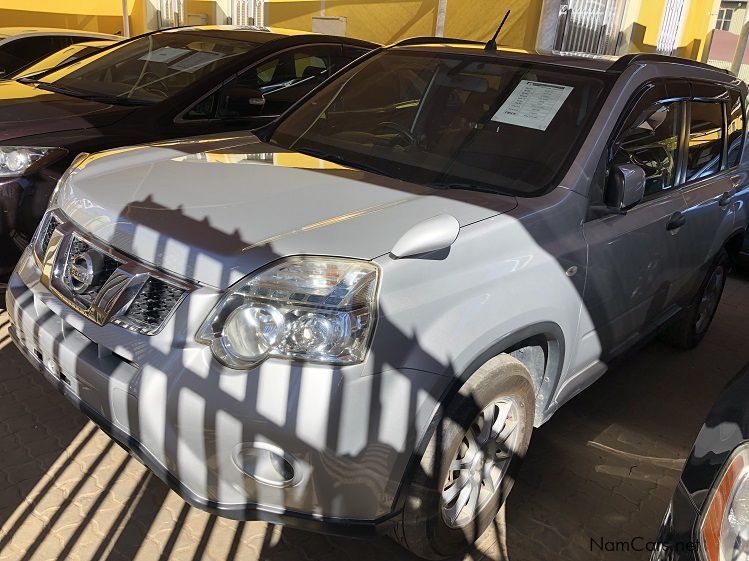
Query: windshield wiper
{"points": [[341, 161], [92, 97]]}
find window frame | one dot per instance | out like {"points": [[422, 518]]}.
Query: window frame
{"points": [[693, 86], [180, 119]]}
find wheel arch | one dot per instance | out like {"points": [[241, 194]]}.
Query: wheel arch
{"points": [[734, 244], [541, 349]]}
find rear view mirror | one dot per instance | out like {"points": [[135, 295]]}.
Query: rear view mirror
{"points": [[240, 102], [626, 187]]}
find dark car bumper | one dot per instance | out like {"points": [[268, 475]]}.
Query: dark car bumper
{"points": [[23, 201], [725, 429], [676, 541]]}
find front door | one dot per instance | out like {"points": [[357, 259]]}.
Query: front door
{"points": [[634, 258]]}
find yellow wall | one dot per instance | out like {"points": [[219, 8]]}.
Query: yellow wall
{"points": [[696, 28], [478, 20], [382, 21], [104, 16], [697, 23], [387, 21]]}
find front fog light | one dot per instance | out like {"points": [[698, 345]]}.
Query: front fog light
{"points": [[319, 309], [725, 523]]}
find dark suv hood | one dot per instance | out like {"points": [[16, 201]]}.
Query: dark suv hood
{"points": [[27, 110]]}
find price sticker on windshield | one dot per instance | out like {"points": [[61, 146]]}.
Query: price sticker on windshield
{"points": [[533, 105]]}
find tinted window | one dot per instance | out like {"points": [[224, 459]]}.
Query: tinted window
{"points": [[705, 140], [17, 54], [736, 128], [282, 80], [652, 142], [150, 68], [451, 120]]}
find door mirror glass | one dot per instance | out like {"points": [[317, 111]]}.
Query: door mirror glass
{"points": [[240, 102], [626, 186]]}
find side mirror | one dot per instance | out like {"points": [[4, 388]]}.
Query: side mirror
{"points": [[626, 187], [240, 102]]}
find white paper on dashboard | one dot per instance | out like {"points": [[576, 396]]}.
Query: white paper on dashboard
{"points": [[164, 54], [196, 61], [533, 105]]}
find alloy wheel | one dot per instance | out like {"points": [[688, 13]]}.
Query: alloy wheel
{"points": [[482, 461]]}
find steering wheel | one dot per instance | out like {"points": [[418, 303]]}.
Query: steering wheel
{"points": [[153, 84], [402, 131]]}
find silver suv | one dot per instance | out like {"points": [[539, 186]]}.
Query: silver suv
{"points": [[353, 320]]}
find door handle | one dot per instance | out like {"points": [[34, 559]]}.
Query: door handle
{"points": [[726, 198], [677, 221]]}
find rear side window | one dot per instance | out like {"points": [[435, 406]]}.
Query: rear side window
{"points": [[736, 126], [705, 144]]}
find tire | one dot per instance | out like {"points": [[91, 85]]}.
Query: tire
{"points": [[691, 325], [435, 528]]}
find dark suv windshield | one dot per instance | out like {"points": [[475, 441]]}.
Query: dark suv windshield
{"points": [[149, 69], [451, 121]]}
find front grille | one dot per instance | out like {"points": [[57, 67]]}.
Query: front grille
{"points": [[153, 304], [105, 285], [47, 235]]}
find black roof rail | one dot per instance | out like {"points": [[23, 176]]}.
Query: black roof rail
{"points": [[626, 61], [430, 40]]}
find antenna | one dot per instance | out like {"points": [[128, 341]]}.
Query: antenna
{"points": [[492, 44]]}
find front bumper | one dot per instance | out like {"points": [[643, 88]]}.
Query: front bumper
{"points": [[185, 417]]}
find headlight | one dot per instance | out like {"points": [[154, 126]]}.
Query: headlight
{"points": [[319, 309], [16, 161], [724, 529]]}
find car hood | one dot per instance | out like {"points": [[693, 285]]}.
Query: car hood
{"points": [[27, 110], [214, 209]]}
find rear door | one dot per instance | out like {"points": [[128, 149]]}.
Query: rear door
{"points": [[634, 259], [715, 118]]}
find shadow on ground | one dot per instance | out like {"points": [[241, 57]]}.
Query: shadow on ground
{"points": [[603, 469]]}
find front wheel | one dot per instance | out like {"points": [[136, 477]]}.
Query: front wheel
{"points": [[470, 463]]}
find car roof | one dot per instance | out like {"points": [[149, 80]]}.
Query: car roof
{"points": [[608, 64], [7, 32], [262, 35]]}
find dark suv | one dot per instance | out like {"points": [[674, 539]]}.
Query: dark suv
{"points": [[163, 85]]}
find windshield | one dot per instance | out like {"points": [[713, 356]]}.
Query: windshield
{"points": [[451, 121], [149, 69]]}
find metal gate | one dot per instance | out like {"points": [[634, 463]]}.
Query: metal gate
{"points": [[590, 27], [670, 28], [248, 12], [171, 13]]}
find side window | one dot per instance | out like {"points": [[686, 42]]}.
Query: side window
{"points": [[736, 126], [17, 54], [651, 141], [705, 143]]}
